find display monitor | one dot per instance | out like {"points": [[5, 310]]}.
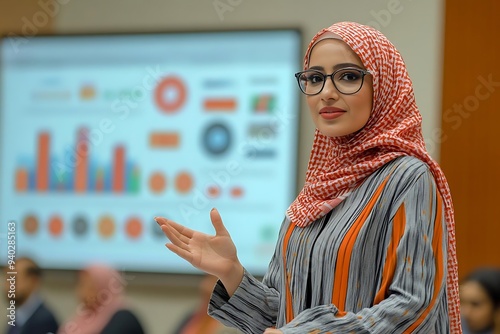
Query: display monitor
{"points": [[101, 133]]}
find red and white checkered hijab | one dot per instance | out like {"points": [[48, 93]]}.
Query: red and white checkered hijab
{"points": [[338, 165]]}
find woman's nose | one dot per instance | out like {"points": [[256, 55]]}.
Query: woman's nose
{"points": [[329, 90]]}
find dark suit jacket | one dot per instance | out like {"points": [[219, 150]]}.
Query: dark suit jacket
{"points": [[42, 321], [123, 322]]}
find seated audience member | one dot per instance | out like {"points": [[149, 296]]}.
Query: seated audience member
{"points": [[103, 310], [32, 316], [480, 302], [198, 321]]}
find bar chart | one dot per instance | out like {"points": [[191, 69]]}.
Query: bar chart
{"points": [[76, 171]]}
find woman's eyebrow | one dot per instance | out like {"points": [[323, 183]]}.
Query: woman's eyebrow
{"points": [[336, 67]]}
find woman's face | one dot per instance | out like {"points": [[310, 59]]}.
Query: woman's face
{"points": [[333, 113], [476, 307]]}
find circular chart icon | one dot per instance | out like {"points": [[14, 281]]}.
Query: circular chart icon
{"points": [[80, 226], [157, 182], [133, 227], [56, 225], [217, 139], [30, 224], [213, 191], [184, 182], [106, 226], [170, 94]]}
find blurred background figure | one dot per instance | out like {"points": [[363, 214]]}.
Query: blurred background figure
{"points": [[198, 321], [102, 308], [32, 316], [480, 302]]}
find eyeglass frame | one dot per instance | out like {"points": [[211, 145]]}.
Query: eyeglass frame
{"points": [[363, 72]]}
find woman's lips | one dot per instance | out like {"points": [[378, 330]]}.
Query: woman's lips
{"points": [[331, 112]]}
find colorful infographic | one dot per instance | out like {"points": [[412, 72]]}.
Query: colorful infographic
{"points": [[111, 131]]}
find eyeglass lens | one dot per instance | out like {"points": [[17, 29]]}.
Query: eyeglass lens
{"points": [[346, 81]]}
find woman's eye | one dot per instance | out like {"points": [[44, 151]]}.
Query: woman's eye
{"points": [[315, 78], [349, 76]]}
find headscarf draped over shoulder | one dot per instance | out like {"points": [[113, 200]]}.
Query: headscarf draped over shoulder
{"points": [[338, 165]]}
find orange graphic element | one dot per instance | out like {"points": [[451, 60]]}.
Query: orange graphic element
{"points": [[42, 171], [30, 224], [237, 192], [21, 180], [213, 191], [227, 105], [106, 226], [81, 169], [87, 92], [163, 94], [184, 182], [157, 182], [164, 139], [133, 227], [119, 169], [55, 226]]}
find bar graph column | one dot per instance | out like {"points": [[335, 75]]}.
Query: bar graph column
{"points": [[82, 161], [43, 160], [118, 184], [22, 179]]}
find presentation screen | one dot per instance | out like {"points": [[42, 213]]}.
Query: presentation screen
{"points": [[101, 133]]}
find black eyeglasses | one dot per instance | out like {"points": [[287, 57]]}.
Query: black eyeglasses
{"points": [[347, 80]]}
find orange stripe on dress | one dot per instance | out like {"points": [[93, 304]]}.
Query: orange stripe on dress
{"points": [[289, 305], [437, 249], [398, 229], [339, 293]]}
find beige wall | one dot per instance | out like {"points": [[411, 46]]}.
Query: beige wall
{"points": [[415, 27]]}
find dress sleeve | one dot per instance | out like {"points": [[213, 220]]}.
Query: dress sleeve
{"points": [[252, 308], [413, 287]]}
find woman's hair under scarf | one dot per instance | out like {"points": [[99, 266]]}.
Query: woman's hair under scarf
{"points": [[337, 165], [109, 299], [489, 279]]}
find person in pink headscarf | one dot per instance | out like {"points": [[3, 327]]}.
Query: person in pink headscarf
{"points": [[102, 310], [368, 245]]}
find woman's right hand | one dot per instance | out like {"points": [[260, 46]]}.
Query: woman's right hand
{"points": [[213, 254]]}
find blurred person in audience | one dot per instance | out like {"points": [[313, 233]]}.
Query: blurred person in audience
{"points": [[103, 309], [31, 315], [480, 302], [198, 321]]}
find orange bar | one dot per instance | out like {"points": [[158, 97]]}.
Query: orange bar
{"points": [[42, 171], [219, 104], [21, 180], [164, 139], [119, 170], [81, 170]]}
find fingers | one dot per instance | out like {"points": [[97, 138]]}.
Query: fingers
{"points": [[179, 242], [178, 227], [183, 253], [220, 229], [172, 232]]}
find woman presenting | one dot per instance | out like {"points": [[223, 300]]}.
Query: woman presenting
{"points": [[368, 245]]}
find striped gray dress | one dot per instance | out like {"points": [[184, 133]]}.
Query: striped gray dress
{"points": [[375, 264]]}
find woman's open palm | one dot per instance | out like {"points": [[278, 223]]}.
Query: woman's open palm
{"points": [[213, 254]]}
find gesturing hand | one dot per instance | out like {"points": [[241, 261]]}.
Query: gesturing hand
{"points": [[213, 254]]}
